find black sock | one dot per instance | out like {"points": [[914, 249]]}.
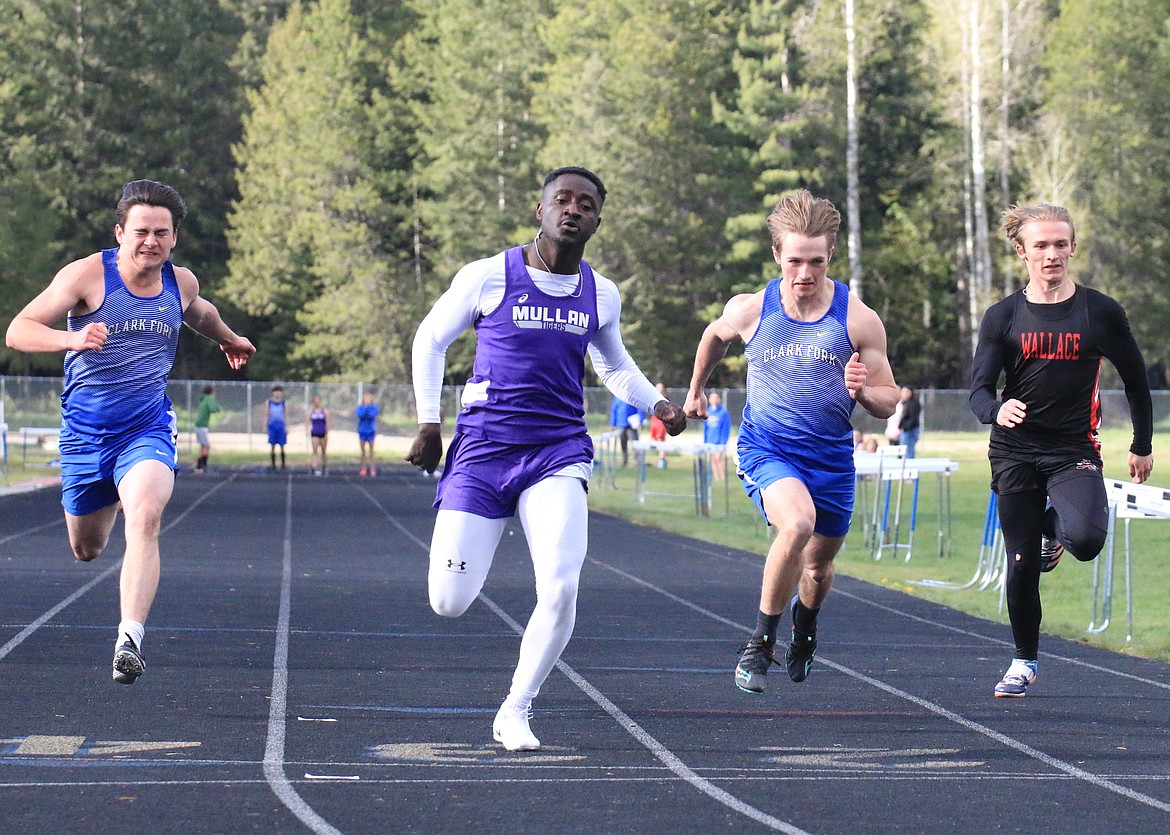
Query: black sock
{"points": [[272, 455], [767, 625], [282, 458], [201, 463], [804, 619]]}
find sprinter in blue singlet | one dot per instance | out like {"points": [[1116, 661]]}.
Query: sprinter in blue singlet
{"points": [[814, 351], [125, 307]]}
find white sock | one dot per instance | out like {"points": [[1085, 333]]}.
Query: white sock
{"points": [[132, 631], [1020, 665]]}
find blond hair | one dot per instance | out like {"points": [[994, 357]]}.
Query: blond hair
{"points": [[1016, 217], [803, 214]]}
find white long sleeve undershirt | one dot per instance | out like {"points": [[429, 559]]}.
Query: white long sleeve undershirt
{"points": [[477, 290]]}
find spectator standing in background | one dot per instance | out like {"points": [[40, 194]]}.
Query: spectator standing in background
{"points": [[626, 420], [208, 405], [717, 430], [277, 426], [909, 420], [658, 430], [318, 424], [367, 429]]}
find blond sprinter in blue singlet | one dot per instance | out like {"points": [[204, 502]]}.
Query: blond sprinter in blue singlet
{"points": [[814, 351]]}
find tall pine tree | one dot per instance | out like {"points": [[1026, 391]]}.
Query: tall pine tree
{"points": [[318, 236]]}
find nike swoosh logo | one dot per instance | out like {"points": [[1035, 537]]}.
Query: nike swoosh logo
{"points": [[162, 308], [163, 454]]}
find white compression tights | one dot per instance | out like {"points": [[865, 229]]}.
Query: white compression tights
{"points": [[555, 518]]}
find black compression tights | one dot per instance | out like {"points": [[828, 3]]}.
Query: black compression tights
{"points": [[1079, 517]]}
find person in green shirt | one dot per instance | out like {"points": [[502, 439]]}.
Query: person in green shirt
{"points": [[207, 406]]}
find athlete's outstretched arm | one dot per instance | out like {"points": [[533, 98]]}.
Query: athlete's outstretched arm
{"points": [[1112, 331], [203, 318], [739, 320], [75, 286], [618, 371], [454, 312], [986, 368]]}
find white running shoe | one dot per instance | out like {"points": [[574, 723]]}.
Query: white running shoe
{"points": [[511, 729], [1016, 680]]}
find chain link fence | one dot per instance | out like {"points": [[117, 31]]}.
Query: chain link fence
{"points": [[34, 403]]}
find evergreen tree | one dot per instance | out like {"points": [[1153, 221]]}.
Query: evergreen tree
{"points": [[1107, 102], [631, 94], [93, 95], [908, 227], [468, 70], [317, 241]]}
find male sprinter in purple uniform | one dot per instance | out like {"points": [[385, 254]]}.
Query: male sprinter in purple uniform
{"points": [[520, 442], [1048, 340], [125, 307], [813, 352]]}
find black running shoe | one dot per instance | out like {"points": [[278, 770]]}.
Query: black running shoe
{"points": [[755, 658], [128, 663], [799, 655]]}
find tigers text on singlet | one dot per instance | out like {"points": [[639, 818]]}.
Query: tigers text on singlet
{"points": [[122, 388], [530, 360], [797, 403]]}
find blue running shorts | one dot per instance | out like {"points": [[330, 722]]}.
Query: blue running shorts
{"points": [[90, 473], [277, 434], [831, 491]]}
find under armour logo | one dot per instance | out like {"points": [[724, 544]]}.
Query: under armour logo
{"points": [[452, 565]]}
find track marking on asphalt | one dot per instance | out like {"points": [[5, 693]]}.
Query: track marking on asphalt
{"points": [[991, 733], [278, 706], [660, 751], [734, 558], [20, 637]]}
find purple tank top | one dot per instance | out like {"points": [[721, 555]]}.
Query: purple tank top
{"points": [[317, 419], [531, 355]]}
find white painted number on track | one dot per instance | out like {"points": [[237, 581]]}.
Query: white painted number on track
{"points": [[457, 752], [35, 745], [868, 758]]}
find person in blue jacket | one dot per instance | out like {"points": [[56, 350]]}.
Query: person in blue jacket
{"points": [[626, 420], [717, 430]]}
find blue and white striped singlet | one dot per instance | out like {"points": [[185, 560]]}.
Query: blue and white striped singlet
{"points": [[122, 389], [797, 403]]}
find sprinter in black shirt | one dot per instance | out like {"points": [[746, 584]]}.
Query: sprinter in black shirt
{"points": [[1048, 340]]}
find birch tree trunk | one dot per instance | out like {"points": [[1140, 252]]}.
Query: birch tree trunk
{"points": [[852, 177], [978, 167]]}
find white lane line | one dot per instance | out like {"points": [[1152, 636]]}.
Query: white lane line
{"points": [[959, 630], [274, 747], [660, 751], [1003, 739], [29, 531], [20, 637], [733, 558]]}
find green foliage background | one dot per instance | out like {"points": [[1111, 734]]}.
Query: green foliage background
{"points": [[343, 158]]}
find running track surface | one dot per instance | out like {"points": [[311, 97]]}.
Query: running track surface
{"points": [[298, 681]]}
